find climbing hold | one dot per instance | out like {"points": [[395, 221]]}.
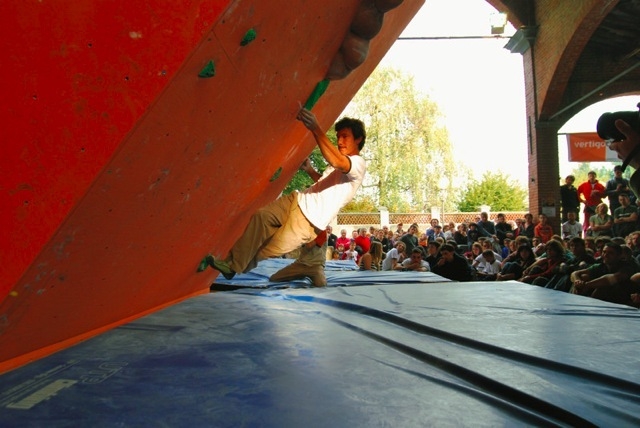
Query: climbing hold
{"points": [[204, 264], [276, 174], [209, 70], [316, 94], [338, 70], [355, 50], [367, 21], [249, 37]]}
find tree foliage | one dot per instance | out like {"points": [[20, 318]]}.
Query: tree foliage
{"points": [[603, 170], [407, 149], [301, 179], [495, 189]]}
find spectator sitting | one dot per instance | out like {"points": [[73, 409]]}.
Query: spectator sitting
{"points": [[571, 228], [394, 257], [431, 230], [486, 245], [489, 268], [372, 260], [580, 259], [460, 236], [452, 265], [414, 262], [449, 230], [503, 229], [506, 248], [528, 226], [472, 234], [476, 251], [433, 250], [422, 242], [625, 217], [601, 222], [609, 280], [543, 269], [543, 229], [516, 263], [437, 233]]}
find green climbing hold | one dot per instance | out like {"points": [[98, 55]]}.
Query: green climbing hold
{"points": [[209, 70], [249, 37], [204, 264], [316, 94], [276, 174]]}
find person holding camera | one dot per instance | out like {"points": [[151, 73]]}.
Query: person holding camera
{"points": [[625, 141]]}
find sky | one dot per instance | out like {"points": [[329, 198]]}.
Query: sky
{"points": [[479, 87]]}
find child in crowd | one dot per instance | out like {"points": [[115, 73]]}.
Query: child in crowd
{"points": [[351, 253]]}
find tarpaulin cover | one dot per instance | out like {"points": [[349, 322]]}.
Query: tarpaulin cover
{"points": [[430, 354]]}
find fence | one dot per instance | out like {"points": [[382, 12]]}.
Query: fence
{"points": [[385, 218]]}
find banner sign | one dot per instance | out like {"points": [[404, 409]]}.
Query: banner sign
{"points": [[589, 147]]}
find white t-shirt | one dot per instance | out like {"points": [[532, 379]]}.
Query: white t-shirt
{"points": [[321, 202], [571, 230], [387, 262], [423, 264], [489, 268]]}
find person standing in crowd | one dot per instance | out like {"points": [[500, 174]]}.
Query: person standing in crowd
{"points": [[625, 217], [629, 152], [590, 194], [331, 238], [503, 229], [486, 227], [569, 197], [615, 187], [343, 239], [410, 238]]}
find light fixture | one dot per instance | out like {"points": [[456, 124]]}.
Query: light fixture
{"points": [[498, 21]]}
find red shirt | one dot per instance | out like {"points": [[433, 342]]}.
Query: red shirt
{"points": [[364, 243], [585, 191], [544, 232]]}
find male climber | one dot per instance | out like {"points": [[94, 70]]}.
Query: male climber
{"points": [[295, 219]]}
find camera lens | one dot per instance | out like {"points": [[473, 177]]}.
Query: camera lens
{"points": [[606, 126]]}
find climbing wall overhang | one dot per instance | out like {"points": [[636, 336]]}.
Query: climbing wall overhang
{"points": [[140, 136]]}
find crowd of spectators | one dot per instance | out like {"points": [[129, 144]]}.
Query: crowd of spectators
{"points": [[603, 264]]}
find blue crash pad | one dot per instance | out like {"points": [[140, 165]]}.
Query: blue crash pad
{"points": [[437, 354]]}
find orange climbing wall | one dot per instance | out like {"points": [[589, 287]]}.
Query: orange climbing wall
{"points": [[121, 168]]}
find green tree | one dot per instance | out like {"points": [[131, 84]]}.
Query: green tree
{"points": [[603, 170], [495, 189], [301, 179], [407, 150]]}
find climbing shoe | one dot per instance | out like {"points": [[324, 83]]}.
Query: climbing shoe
{"points": [[221, 266]]}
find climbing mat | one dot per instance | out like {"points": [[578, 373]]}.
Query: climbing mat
{"points": [[430, 354]]}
